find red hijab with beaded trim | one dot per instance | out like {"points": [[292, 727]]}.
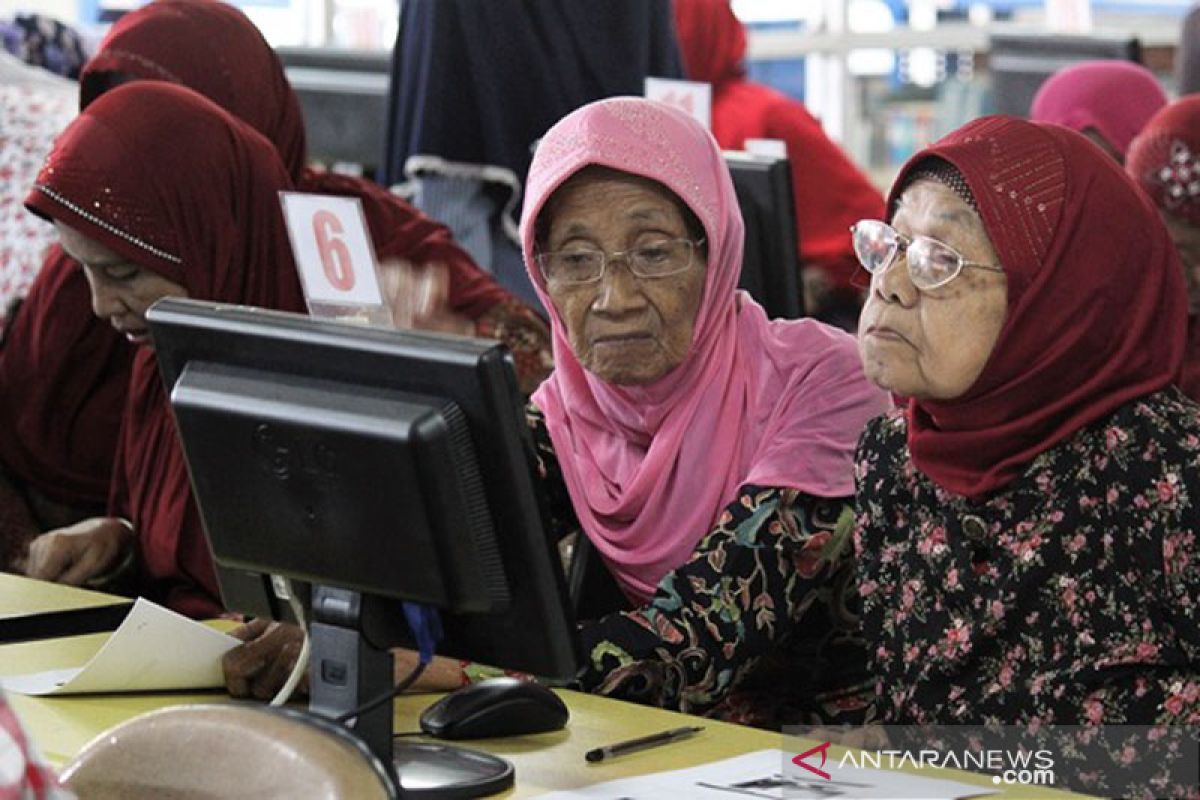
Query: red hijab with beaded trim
{"points": [[1092, 278], [211, 222], [214, 49]]}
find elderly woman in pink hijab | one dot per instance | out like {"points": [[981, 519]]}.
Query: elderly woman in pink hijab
{"points": [[699, 456], [702, 453], [1108, 101]]}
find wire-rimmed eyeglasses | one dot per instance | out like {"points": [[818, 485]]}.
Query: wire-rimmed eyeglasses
{"points": [[576, 266], [930, 263]]}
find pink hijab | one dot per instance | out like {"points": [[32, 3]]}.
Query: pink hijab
{"points": [[778, 404], [1116, 98]]}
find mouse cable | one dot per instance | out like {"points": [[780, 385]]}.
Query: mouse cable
{"points": [[375, 702], [406, 734], [301, 666]]}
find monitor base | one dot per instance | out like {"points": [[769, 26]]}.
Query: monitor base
{"points": [[429, 771]]}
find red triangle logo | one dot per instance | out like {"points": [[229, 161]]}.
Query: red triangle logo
{"points": [[821, 748]]}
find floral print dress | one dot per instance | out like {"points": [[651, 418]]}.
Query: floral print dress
{"points": [[757, 627], [1070, 596]]}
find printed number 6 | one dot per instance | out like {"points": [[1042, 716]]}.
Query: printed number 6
{"points": [[335, 257]]}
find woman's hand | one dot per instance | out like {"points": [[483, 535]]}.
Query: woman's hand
{"points": [[260, 667], [79, 552], [442, 674], [419, 298]]}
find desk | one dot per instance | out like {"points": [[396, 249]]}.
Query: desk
{"points": [[544, 762]]}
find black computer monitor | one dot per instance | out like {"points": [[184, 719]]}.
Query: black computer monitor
{"points": [[377, 466], [1020, 62], [771, 260]]}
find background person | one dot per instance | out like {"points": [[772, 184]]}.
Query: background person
{"points": [[1107, 100], [830, 192], [1164, 160], [474, 85]]}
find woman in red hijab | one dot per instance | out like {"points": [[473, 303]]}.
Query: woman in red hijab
{"points": [[146, 224], [63, 373], [1165, 161], [1107, 100], [213, 48], [830, 191], [1027, 522]]}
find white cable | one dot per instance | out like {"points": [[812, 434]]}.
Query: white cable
{"points": [[289, 686]]}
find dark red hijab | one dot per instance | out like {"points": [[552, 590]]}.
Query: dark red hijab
{"points": [[712, 40], [213, 48], [166, 178], [1096, 302], [58, 427]]}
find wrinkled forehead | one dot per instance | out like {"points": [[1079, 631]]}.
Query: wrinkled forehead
{"points": [[636, 137]]}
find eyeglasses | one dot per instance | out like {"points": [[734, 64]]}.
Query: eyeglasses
{"points": [[577, 266], [930, 263]]}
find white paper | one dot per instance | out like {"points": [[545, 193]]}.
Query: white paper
{"points": [[154, 649], [761, 775], [332, 248], [690, 96], [775, 148]]}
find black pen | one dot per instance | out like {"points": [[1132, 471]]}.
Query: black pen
{"points": [[633, 745]]}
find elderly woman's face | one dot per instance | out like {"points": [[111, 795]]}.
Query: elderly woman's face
{"points": [[623, 329], [121, 290], [933, 344]]}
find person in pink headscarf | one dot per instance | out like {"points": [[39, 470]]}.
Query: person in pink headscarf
{"points": [[1108, 101], [699, 456], [703, 452], [1164, 159]]}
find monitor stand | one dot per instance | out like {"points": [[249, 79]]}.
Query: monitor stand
{"points": [[347, 670]]}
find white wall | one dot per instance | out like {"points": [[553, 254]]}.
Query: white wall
{"points": [[65, 10]]}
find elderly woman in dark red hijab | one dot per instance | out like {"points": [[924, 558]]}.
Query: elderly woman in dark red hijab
{"points": [[1165, 161], [1027, 520], [146, 223]]}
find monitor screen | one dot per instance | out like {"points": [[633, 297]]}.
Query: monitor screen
{"points": [[771, 262], [1020, 63], [376, 466]]}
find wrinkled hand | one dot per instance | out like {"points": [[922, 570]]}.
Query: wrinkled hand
{"points": [[419, 298], [79, 552], [260, 667]]}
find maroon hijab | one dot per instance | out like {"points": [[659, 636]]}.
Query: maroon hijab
{"points": [[1096, 302], [58, 426], [211, 222], [213, 48]]}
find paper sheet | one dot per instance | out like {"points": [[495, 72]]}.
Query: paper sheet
{"points": [[154, 649], [761, 775]]}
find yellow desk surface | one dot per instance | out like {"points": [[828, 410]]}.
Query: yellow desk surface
{"points": [[544, 762], [19, 595]]}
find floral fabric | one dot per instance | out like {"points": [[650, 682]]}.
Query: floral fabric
{"points": [[1069, 596], [30, 117], [754, 628]]}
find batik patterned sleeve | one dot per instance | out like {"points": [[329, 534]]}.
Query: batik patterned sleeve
{"points": [[527, 336], [774, 570], [748, 587]]}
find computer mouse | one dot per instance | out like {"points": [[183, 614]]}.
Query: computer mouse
{"points": [[495, 707]]}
